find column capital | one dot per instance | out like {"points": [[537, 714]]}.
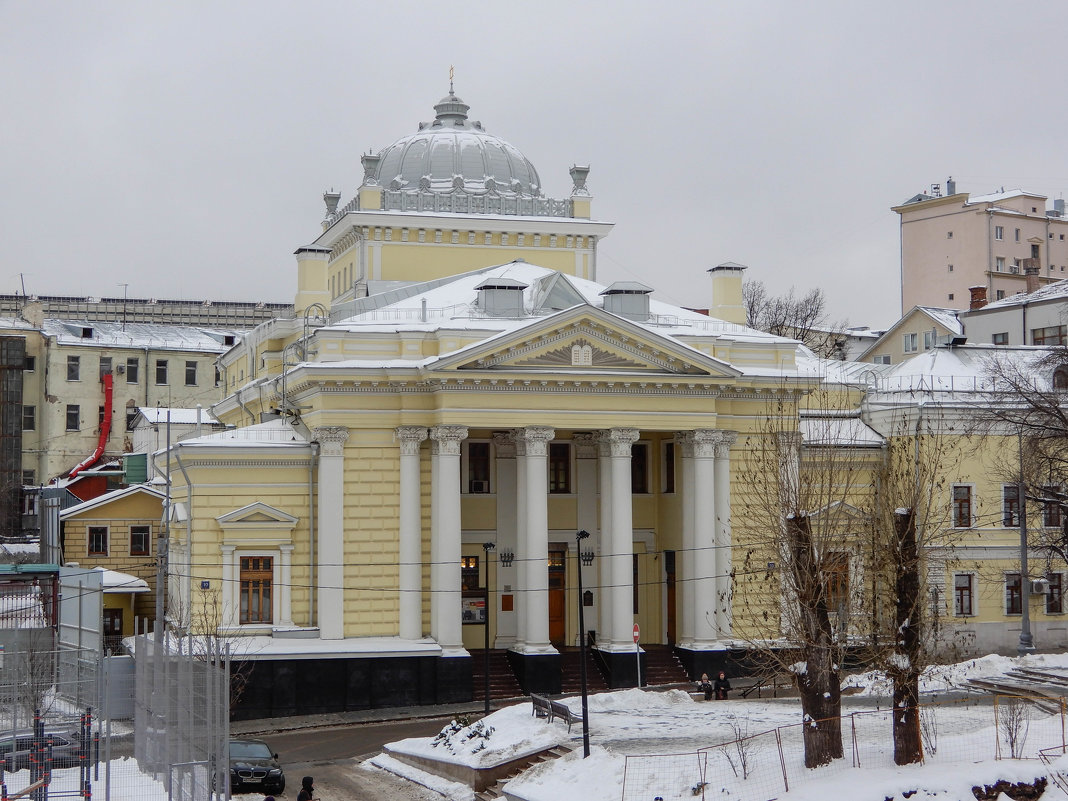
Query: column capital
{"points": [[331, 439], [228, 550], [410, 438], [789, 440], [585, 445], [534, 440], [705, 441], [685, 443], [446, 439], [617, 441], [504, 444], [286, 548], [726, 440]]}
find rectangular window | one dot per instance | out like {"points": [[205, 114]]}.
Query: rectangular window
{"points": [[949, 234], [1055, 594], [999, 264], [1051, 507], [105, 366], [911, 343], [999, 294], [190, 374], [963, 594], [132, 369], [161, 371], [999, 232], [1051, 335], [928, 340], [836, 578], [1013, 594], [883, 359], [100, 415], [140, 537], [559, 468], [98, 540], [478, 467], [74, 368], [668, 467], [469, 579], [29, 418], [74, 417], [962, 506], [634, 581], [257, 573], [1017, 234], [29, 478], [1001, 338], [1010, 506], [639, 468], [130, 417], [30, 363]]}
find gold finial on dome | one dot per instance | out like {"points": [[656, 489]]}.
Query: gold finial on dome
{"points": [[451, 69]]}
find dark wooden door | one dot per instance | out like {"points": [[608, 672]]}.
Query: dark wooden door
{"points": [[557, 598], [669, 569]]}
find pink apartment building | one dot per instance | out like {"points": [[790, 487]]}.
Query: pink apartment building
{"points": [[952, 242]]}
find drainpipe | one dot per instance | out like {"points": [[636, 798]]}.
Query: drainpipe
{"points": [[1023, 323], [237, 397], [188, 536], [989, 253], [147, 404], [312, 506]]}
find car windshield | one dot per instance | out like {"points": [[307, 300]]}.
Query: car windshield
{"points": [[246, 750]]}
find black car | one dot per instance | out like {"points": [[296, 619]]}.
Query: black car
{"points": [[254, 768]]}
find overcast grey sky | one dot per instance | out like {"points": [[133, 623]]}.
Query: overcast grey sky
{"points": [[183, 148]]}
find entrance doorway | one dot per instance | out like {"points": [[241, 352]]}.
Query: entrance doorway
{"points": [[557, 597]]}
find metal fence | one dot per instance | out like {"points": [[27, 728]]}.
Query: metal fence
{"points": [[182, 714], [765, 765]]}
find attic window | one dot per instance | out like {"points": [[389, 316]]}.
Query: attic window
{"points": [[228, 339], [1060, 378], [87, 332]]}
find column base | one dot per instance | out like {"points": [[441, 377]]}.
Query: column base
{"points": [[536, 672], [452, 678], [620, 667]]}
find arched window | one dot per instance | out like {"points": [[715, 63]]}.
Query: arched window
{"points": [[1060, 378]]}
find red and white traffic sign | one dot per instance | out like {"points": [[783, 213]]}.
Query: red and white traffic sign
{"points": [[637, 632]]}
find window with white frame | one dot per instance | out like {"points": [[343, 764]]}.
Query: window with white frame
{"points": [[256, 583], [1051, 507], [999, 264], [1010, 506], [98, 541], [1055, 594], [999, 232], [928, 340], [963, 594], [1013, 594], [911, 342], [962, 505], [881, 359]]}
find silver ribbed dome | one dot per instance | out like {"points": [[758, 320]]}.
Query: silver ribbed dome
{"points": [[454, 154]]}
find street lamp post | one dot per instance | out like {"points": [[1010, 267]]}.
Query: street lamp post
{"points": [[487, 547], [585, 558]]}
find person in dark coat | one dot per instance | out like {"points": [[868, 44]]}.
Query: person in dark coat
{"points": [[722, 686], [705, 686], [307, 792]]}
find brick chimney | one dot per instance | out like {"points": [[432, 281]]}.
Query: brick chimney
{"points": [[1031, 274], [978, 299]]}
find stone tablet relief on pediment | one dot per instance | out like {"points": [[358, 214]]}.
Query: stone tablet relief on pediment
{"points": [[580, 353]]}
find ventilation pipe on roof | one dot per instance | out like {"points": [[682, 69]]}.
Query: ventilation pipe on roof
{"points": [[1031, 277], [727, 303], [951, 186], [628, 299], [978, 299], [501, 297]]}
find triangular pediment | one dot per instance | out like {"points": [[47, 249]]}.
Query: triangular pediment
{"points": [[586, 339], [258, 515]]}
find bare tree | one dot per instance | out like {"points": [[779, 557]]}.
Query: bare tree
{"points": [[801, 317], [803, 491]]}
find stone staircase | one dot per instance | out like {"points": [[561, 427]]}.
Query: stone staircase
{"points": [[496, 790], [571, 672], [503, 683], [662, 667]]}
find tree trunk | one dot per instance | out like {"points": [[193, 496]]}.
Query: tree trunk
{"points": [[819, 683], [905, 661]]}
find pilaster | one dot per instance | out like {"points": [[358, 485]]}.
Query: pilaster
{"points": [[445, 602], [331, 531]]}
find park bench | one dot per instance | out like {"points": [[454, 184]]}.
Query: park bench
{"points": [[542, 707]]}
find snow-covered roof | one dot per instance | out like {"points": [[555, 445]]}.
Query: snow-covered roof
{"points": [[157, 415], [947, 318], [994, 197], [115, 582], [272, 432], [157, 336], [832, 428], [110, 497], [963, 369], [1058, 290]]}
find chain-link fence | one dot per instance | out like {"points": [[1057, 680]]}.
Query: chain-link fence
{"points": [[182, 714], [767, 764]]}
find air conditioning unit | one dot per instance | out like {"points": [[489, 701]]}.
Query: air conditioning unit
{"points": [[120, 369], [479, 487], [1040, 586]]}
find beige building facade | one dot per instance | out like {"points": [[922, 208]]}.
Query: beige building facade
{"points": [[957, 241]]}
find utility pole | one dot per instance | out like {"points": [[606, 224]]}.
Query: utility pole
{"points": [[1027, 642]]}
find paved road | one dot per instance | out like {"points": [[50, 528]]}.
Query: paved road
{"points": [[332, 756]]}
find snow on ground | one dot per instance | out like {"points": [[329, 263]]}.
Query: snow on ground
{"points": [[126, 782], [649, 744]]}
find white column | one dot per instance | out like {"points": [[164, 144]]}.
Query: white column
{"points": [[410, 547], [586, 495], [621, 538], [445, 605], [604, 564], [521, 558], [704, 524], [505, 487], [684, 566], [331, 531], [285, 592], [723, 533], [231, 589], [536, 534]]}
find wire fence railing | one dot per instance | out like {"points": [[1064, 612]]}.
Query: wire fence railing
{"points": [[765, 765]]}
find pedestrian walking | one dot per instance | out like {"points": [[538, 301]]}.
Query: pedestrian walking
{"points": [[307, 792]]}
